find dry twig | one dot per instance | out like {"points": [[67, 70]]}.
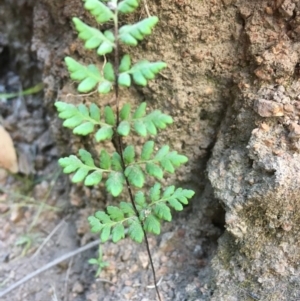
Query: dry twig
{"points": [[48, 266]]}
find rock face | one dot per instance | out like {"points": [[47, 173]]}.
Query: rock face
{"points": [[254, 168], [232, 86]]}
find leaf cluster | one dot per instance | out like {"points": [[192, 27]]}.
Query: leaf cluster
{"points": [[85, 120], [111, 166], [127, 166], [152, 208]]}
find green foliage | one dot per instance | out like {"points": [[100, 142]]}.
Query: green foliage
{"points": [[143, 124], [99, 262], [89, 76], [141, 72], [87, 172], [99, 10], [113, 220], [128, 6], [95, 38], [131, 34], [128, 166], [84, 120]]}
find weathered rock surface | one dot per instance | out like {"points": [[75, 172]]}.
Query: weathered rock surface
{"points": [[255, 165]]}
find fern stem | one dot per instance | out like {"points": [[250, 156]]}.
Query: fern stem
{"points": [[142, 224], [116, 65], [119, 148]]}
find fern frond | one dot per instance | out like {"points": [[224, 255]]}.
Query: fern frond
{"points": [[88, 76], [99, 10], [95, 38], [114, 221], [83, 120], [143, 124], [87, 172], [131, 34], [128, 6]]}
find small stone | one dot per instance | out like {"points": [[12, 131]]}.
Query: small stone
{"points": [[92, 297], [269, 10], [16, 214], [267, 108], [287, 8], [288, 108], [3, 176], [294, 130], [265, 127], [77, 288], [227, 2], [143, 259], [128, 292], [3, 208]]}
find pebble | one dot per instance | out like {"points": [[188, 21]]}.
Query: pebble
{"points": [[267, 108], [143, 257], [77, 288], [16, 214], [3, 208]]}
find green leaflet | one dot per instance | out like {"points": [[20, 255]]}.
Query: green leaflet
{"points": [[155, 192], [152, 224], [154, 170], [136, 232], [124, 128], [88, 76], [124, 80], [114, 183], [125, 63], [105, 161], [93, 179], [109, 116], [94, 38], [129, 154], [135, 175], [140, 111], [147, 150], [140, 198], [162, 211], [141, 72], [148, 124], [83, 120], [116, 162], [112, 221], [144, 71], [127, 209], [169, 160], [115, 213], [175, 198], [99, 10], [86, 158], [109, 72], [118, 233], [84, 129], [125, 112], [128, 6], [95, 224], [106, 132], [95, 112], [131, 34]]}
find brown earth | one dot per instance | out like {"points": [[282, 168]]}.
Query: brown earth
{"points": [[232, 86]]}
